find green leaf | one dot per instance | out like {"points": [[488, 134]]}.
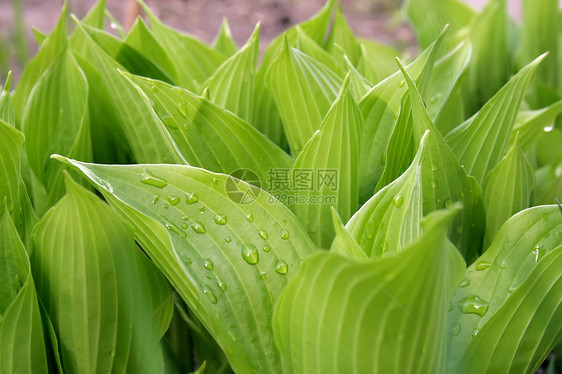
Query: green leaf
{"points": [[377, 60], [209, 136], [308, 46], [332, 151], [11, 141], [192, 230], [108, 304], [6, 107], [548, 185], [232, 85], [38, 36], [49, 51], [342, 35], [380, 107], [303, 90], [506, 314], [194, 60], [428, 17], [390, 220], [224, 42], [484, 79], [96, 15], [479, 142], [344, 243], [445, 181], [367, 317], [506, 190], [56, 120], [130, 108], [22, 345], [530, 124]]}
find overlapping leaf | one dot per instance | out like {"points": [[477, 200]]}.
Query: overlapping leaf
{"points": [[340, 316], [108, 305], [228, 261], [7, 113]]}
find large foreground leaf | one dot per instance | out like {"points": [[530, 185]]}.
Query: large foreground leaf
{"points": [[22, 345], [506, 314], [341, 316], [229, 261], [109, 306]]}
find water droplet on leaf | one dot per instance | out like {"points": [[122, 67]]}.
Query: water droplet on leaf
{"points": [[250, 254], [148, 178], [208, 264], [198, 228], [281, 267], [191, 198], [285, 235], [473, 304], [220, 219]]}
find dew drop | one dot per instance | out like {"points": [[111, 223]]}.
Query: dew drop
{"points": [[155, 200], [228, 239], [475, 332], [482, 265], [434, 167], [210, 294], [220, 219], [202, 209], [106, 185], [464, 283], [250, 254], [369, 234], [285, 235], [191, 198], [263, 275], [473, 304], [455, 330], [539, 253], [174, 200], [385, 247], [148, 178], [448, 203], [187, 260], [266, 248], [402, 83], [185, 218], [165, 206], [281, 267], [263, 234], [232, 336], [176, 230], [221, 284], [250, 217], [208, 264], [198, 227], [169, 121], [184, 225], [398, 200], [434, 183], [154, 88], [182, 107]]}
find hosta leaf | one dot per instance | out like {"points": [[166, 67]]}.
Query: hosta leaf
{"points": [[38, 36], [342, 35], [137, 62], [484, 78], [390, 220], [140, 38], [56, 120], [530, 124], [6, 107], [377, 60], [108, 304], [135, 119], [506, 190], [224, 42], [11, 141], [332, 151], [540, 23], [548, 185], [358, 84], [303, 90], [191, 228], [340, 316], [507, 310], [344, 243], [548, 150], [22, 345], [209, 136], [428, 24], [232, 85], [445, 181], [308, 46], [479, 142], [50, 49], [194, 60], [380, 107]]}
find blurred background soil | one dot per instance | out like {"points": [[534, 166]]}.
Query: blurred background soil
{"points": [[377, 19]]}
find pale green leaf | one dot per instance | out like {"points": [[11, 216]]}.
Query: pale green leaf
{"points": [[445, 181], [377, 61], [333, 152], [386, 315], [506, 190], [479, 142], [303, 90], [7, 113], [108, 304], [344, 243], [22, 345], [530, 124], [341, 34], [548, 185], [209, 136], [192, 230], [11, 141], [506, 313], [390, 220], [232, 85], [224, 42]]}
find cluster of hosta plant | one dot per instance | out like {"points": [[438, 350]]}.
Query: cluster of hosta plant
{"points": [[170, 206]]}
